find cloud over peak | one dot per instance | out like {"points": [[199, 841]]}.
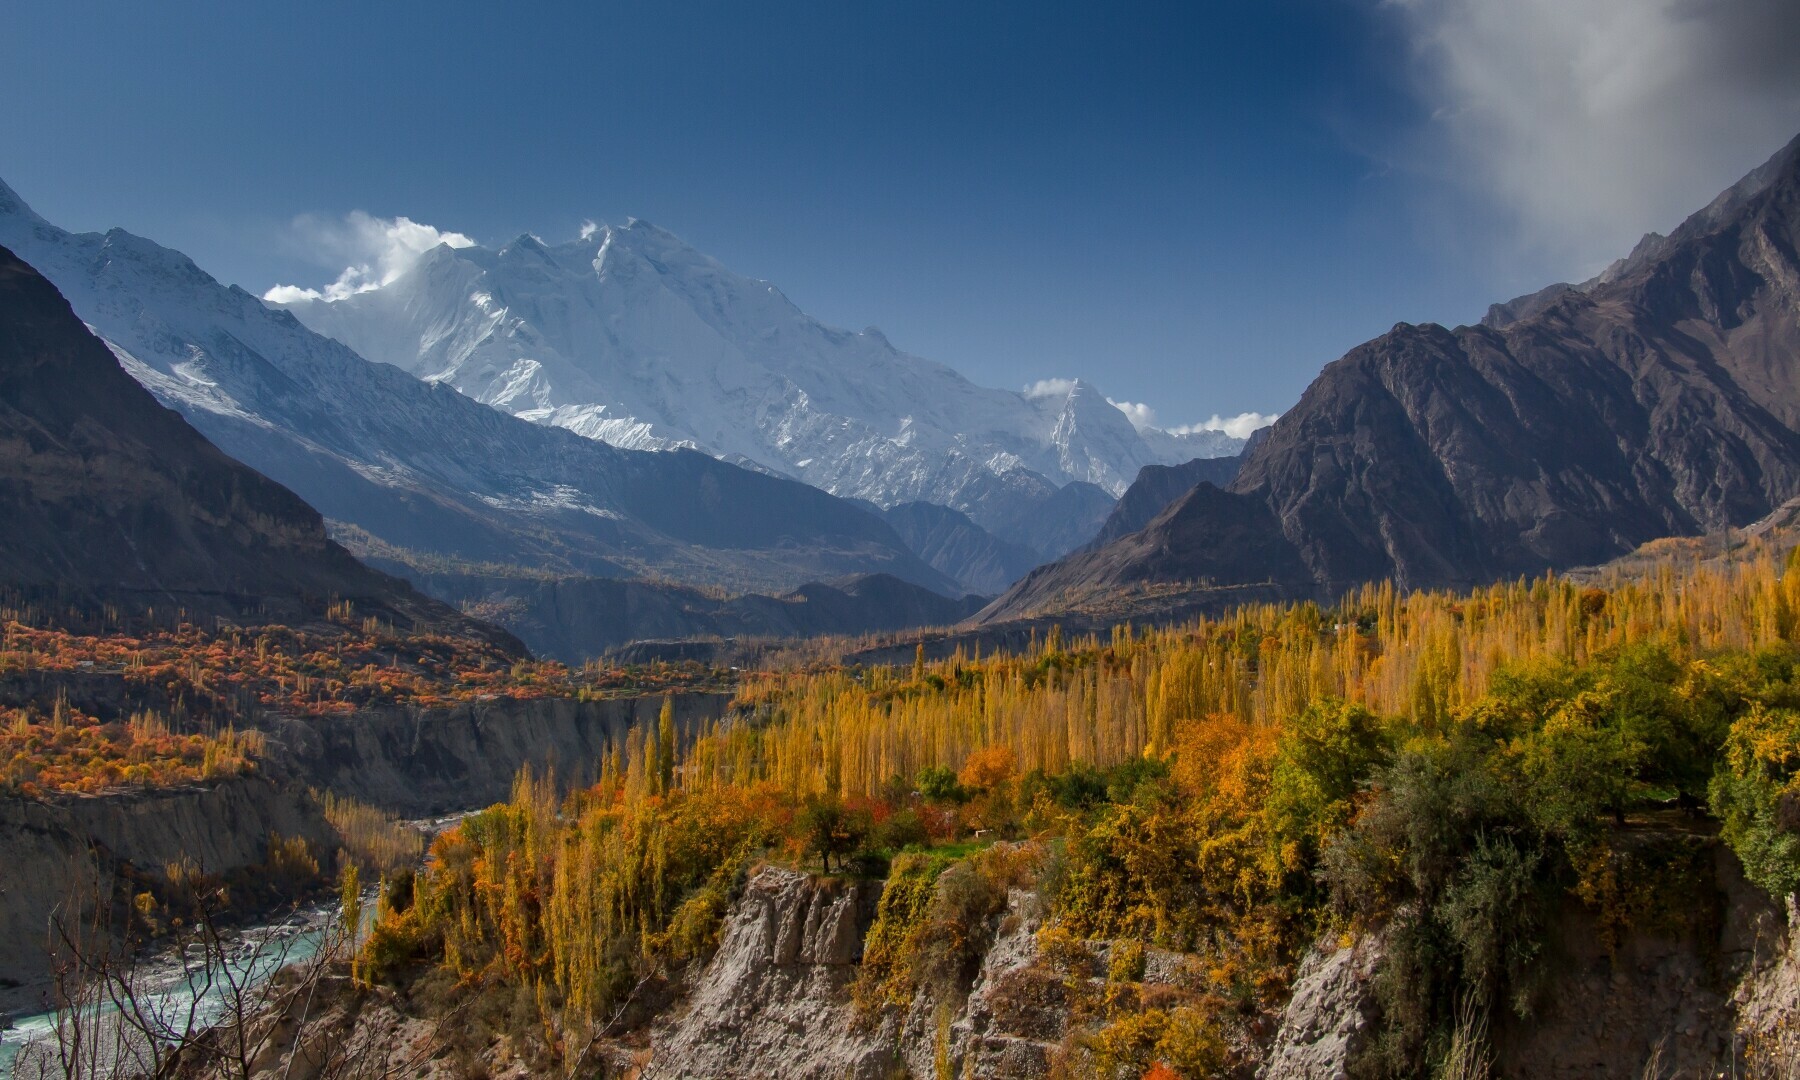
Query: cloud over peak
{"points": [[373, 251], [1141, 416], [1238, 427]]}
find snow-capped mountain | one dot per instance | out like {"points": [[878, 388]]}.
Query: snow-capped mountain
{"points": [[633, 337], [423, 473]]}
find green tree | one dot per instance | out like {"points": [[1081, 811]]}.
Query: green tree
{"points": [[1322, 759], [832, 830], [937, 783]]}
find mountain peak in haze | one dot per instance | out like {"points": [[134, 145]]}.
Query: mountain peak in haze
{"points": [[13, 206], [634, 337]]}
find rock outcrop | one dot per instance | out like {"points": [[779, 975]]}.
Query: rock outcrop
{"points": [[1328, 1018], [1768, 1001], [775, 999], [1015, 1016]]}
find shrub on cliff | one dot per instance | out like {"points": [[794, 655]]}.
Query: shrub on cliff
{"points": [[1756, 794]]}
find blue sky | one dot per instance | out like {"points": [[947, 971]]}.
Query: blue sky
{"points": [[1195, 206]]}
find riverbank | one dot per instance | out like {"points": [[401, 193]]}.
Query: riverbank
{"points": [[412, 762]]}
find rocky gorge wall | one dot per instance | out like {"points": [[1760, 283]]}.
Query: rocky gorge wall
{"points": [[416, 762]]}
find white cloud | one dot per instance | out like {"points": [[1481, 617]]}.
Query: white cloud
{"points": [[377, 250], [1141, 416], [293, 294], [1238, 427], [589, 228], [1044, 388], [1591, 122]]}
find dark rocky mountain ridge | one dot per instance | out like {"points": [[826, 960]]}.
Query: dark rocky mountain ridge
{"points": [[1663, 400], [111, 499]]}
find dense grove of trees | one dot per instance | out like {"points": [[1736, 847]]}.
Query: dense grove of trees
{"points": [[68, 750], [1448, 766]]}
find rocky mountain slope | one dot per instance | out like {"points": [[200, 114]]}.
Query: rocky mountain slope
{"points": [[425, 469], [1663, 399], [111, 499], [634, 337]]}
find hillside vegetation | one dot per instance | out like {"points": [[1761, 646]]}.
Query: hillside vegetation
{"points": [[1450, 767]]}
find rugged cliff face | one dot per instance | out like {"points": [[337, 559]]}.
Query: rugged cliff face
{"points": [[1328, 1019], [775, 1000]]}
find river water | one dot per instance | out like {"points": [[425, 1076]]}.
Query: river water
{"points": [[168, 984]]}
